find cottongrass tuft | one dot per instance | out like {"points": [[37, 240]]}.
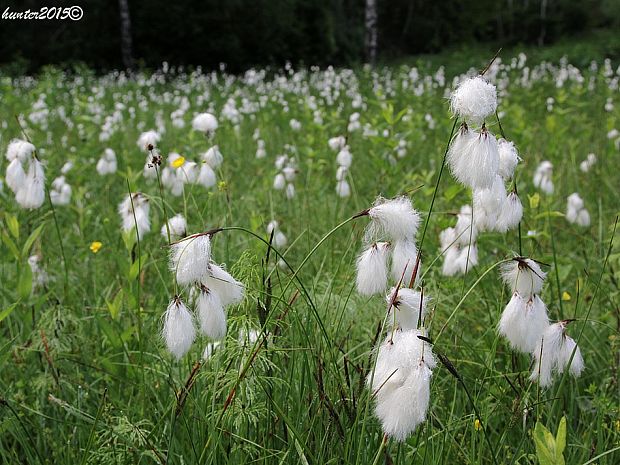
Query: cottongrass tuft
{"points": [[178, 331], [135, 204], [395, 218], [473, 157], [523, 322], [523, 275], [542, 177], [229, 290], [576, 211], [211, 314], [189, 259], [406, 307], [205, 122], [474, 99], [177, 225], [552, 355], [372, 271], [400, 382]]}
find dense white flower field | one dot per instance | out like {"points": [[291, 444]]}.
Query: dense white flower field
{"points": [[311, 266]]}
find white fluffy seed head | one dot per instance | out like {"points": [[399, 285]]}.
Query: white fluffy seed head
{"points": [[542, 177], [553, 353], [15, 175], [190, 258], [474, 99], [576, 211], [272, 226], [451, 263], [177, 226], [279, 239], [474, 158], [488, 205], [403, 409], [31, 194], [148, 139], [134, 211], [405, 307], [546, 354], [337, 143], [206, 176], [523, 275], [107, 163], [279, 182], [178, 331], [577, 364], [290, 173], [290, 191], [341, 173], [344, 158], [211, 314], [404, 259], [467, 258], [343, 189], [447, 238], [465, 230], [395, 219], [213, 157], [372, 273], [508, 158], [19, 150], [511, 213], [575, 201], [218, 280], [401, 382], [204, 122], [583, 218], [523, 322]]}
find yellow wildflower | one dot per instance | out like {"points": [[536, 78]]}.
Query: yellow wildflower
{"points": [[95, 246], [177, 163]]}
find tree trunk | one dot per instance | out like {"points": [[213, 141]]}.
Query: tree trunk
{"points": [[126, 47], [543, 23], [371, 31]]}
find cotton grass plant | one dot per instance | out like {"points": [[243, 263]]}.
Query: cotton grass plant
{"points": [[126, 362]]}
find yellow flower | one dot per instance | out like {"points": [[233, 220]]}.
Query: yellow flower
{"points": [[534, 200], [95, 246], [565, 296], [178, 162], [477, 425]]}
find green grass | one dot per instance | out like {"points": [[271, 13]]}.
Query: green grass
{"points": [[87, 379]]}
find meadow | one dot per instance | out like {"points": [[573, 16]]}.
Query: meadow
{"points": [[85, 374]]}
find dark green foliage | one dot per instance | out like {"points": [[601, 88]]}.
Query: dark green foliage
{"points": [[244, 33]]}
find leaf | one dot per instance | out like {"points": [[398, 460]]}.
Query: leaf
{"points": [[388, 113], [12, 223], [7, 311], [534, 200], [549, 214], [545, 445], [549, 449], [560, 438], [134, 269], [33, 237], [24, 286], [10, 244], [114, 307]]}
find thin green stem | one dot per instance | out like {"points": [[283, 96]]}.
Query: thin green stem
{"points": [[441, 169]]}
